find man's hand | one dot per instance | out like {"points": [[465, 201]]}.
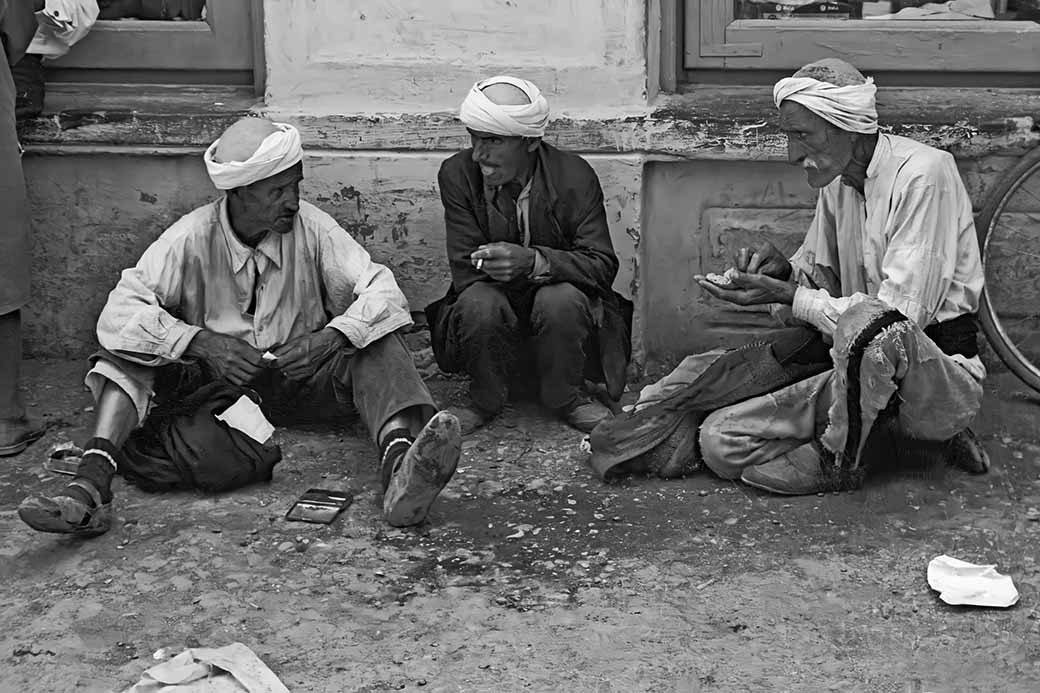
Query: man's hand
{"points": [[226, 357], [765, 259], [303, 356], [503, 262], [750, 289]]}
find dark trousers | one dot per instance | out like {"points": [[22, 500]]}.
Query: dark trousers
{"points": [[492, 327], [377, 383]]}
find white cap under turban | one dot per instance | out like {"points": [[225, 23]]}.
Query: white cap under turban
{"points": [[479, 113], [851, 107], [276, 152]]}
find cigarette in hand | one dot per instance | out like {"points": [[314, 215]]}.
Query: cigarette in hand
{"points": [[479, 263]]}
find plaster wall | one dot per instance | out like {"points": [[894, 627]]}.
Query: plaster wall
{"points": [[417, 56]]}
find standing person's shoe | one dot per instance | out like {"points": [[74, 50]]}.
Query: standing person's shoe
{"points": [[585, 413], [29, 86], [18, 434], [419, 474]]}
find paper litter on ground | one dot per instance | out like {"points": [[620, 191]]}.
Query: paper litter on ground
{"points": [[231, 669], [959, 582]]}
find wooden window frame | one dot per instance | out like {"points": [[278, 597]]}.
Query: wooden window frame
{"points": [[225, 48], [716, 39]]}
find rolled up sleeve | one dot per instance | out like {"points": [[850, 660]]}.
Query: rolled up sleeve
{"points": [[135, 322], [362, 295]]}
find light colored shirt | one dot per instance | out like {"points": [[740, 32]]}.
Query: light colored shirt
{"points": [[198, 275], [62, 24], [540, 271], [909, 240]]}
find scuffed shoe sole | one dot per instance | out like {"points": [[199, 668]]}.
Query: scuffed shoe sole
{"points": [[61, 515], [424, 471]]}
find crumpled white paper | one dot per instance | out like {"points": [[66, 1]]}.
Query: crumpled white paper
{"points": [[959, 582], [246, 416], [230, 669]]}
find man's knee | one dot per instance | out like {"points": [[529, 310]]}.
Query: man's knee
{"points": [[859, 319], [716, 447], [483, 305], [134, 381], [560, 306]]}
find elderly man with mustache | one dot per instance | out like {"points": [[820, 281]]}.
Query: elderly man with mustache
{"points": [[889, 275]]}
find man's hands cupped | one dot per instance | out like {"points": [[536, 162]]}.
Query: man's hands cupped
{"points": [[759, 276]]}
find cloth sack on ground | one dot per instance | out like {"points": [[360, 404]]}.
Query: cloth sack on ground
{"points": [[230, 669], [186, 447]]}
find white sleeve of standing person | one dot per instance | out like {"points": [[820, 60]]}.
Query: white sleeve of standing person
{"points": [[62, 24]]}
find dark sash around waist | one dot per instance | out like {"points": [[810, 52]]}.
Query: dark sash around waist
{"points": [[956, 336]]}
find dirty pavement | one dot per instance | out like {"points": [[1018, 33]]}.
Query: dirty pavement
{"points": [[531, 574]]}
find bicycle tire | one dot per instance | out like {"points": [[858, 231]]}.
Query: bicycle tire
{"points": [[1008, 184]]}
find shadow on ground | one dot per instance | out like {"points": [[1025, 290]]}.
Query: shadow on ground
{"points": [[531, 574]]}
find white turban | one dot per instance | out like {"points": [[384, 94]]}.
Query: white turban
{"points": [[278, 151], [478, 112], [850, 108]]}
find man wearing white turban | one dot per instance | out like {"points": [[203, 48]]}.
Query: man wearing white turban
{"points": [[532, 265], [262, 290], [889, 276]]}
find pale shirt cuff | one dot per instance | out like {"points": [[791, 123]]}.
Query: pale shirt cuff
{"points": [[541, 269], [808, 304], [180, 337], [361, 334]]}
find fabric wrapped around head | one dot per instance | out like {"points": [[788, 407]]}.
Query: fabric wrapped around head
{"points": [[850, 108], [278, 151], [479, 113]]}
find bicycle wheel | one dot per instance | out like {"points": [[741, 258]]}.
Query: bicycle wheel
{"points": [[1009, 238]]}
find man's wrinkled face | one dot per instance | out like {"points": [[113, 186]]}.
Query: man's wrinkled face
{"points": [[822, 149], [501, 159], [271, 204]]}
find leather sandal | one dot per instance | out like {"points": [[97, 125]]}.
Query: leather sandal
{"points": [[65, 515]]}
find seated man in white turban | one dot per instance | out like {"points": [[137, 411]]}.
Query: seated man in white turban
{"points": [[532, 265], [889, 275], [261, 289]]}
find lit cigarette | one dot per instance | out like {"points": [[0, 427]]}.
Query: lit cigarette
{"points": [[480, 263]]}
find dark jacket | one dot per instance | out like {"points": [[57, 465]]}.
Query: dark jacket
{"points": [[568, 225]]}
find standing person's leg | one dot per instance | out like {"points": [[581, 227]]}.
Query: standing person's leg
{"points": [[15, 431], [561, 329], [419, 447], [122, 392], [481, 335]]}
